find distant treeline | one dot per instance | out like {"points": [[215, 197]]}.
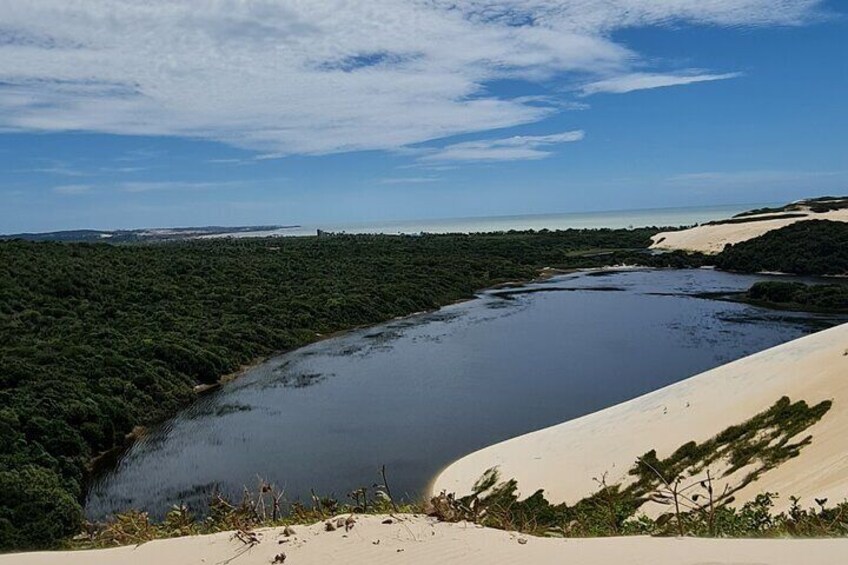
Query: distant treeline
{"points": [[137, 236], [816, 205], [96, 339], [813, 247], [799, 296], [747, 219]]}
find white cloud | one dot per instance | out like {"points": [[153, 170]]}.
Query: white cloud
{"points": [[520, 147], [643, 81], [52, 167], [804, 183], [72, 189], [409, 180], [749, 177], [306, 77], [136, 155], [123, 169], [171, 186], [232, 161]]}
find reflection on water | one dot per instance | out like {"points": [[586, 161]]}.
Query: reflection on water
{"points": [[417, 393]]}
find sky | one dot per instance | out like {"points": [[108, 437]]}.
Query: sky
{"points": [[127, 114]]}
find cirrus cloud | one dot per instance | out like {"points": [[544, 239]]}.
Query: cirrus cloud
{"points": [[517, 148], [302, 77], [646, 81], [72, 189]]}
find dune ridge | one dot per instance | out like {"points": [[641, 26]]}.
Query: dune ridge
{"points": [[711, 238]]}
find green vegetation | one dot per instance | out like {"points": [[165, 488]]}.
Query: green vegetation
{"points": [[684, 482], [607, 514], [136, 236], [828, 204], [758, 445], [744, 219], [816, 205], [814, 247], [97, 339], [768, 210], [798, 296], [264, 507]]}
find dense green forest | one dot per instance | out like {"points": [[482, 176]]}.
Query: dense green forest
{"points": [[746, 219], [799, 296], [96, 339], [813, 247], [816, 205]]}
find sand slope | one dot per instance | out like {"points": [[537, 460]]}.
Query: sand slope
{"points": [[421, 541], [563, 459], [712, 239]]}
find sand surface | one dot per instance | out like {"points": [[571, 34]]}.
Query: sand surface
{"points": [[563, 459], [421, 541], [712, 239]]}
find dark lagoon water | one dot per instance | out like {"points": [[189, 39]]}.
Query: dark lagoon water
{"points": [[417, 393]]}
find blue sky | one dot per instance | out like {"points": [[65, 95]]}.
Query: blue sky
{"points": [[226, 112]]}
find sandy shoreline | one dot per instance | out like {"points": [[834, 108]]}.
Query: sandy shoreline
{"points": [[708, 238], [563, 459], [417, 540]]}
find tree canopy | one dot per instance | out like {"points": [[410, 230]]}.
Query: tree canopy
{"points": [[813, 247], [96, 339]]}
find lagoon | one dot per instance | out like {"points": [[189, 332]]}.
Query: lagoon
{"points": [[417, 393]]}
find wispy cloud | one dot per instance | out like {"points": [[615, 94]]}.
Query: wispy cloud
{"points": [[644, 81], [520, 147], [232, 161], [768, 180], [72, 189], [135, 155], [53, 167], [749, 176], [174, 186], [123, 169], [409, 180], [285, 78]]}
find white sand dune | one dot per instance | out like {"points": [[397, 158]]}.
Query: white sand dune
{"points": [[563, 459], [421, 541], [713, 238]]}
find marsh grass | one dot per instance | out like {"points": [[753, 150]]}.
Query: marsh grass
{"points": [[264, 506], [685, 482]]}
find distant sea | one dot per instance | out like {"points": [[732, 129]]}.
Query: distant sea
{"points": [[613, 219]]}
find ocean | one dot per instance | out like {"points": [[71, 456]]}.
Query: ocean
{"points": [[612, 219]]}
